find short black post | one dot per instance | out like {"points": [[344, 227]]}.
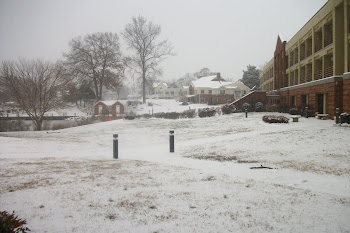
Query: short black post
{"points": [[337, 115], [115, 146], [306, 112], [246, 113], [171, 139]]}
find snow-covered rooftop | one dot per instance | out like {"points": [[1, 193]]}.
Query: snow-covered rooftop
{"points": [[207, 82], [157, 84]]}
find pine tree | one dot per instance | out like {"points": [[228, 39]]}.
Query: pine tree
{"points": [[250, 77]]}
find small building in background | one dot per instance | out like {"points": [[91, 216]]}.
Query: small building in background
{"points": [[109, 107]]}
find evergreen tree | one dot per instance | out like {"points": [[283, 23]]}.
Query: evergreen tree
{"points": [[250, 77]]}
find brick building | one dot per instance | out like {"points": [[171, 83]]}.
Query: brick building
{"points": [[110, 107], [312, 68]]}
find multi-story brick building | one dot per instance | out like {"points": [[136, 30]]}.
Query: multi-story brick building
{"points": [[312, 68]]}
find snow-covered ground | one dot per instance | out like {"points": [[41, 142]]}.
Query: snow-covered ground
{"points": [[165, 105], [68, 181]]}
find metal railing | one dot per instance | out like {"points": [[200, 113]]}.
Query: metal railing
{"points": [[308, 52], [328, 72], [308, 77], [318, 46], [318, 74], [328, 40]]}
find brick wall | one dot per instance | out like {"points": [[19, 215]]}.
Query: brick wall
{"points": [[334, 90], [114, 109], [252, 98], [96, 108], [346, 95], [214, 99]]}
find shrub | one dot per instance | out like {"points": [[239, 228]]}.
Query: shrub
{"points": [[294, 111], [246, 106], [275, 119], [147, 116], [310, 111], [10, 223], [15, 125], [133, 103], [207, 113], [259, 107], [228, 109], [159, 115], [188, 114], [172, 115], [104, 112]]}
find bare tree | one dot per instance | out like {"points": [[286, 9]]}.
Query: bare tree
{"points": [[97, 57], [142, 37], [37, 86]]}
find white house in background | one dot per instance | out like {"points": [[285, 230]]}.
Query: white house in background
{"points": [[162, 90], [213, 90], [244, 89]]}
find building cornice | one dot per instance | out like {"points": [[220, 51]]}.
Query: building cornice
{"points": [[315, 83]]}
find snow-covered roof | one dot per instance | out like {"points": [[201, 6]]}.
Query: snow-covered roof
{"points": [[109, 102], [157, 84], [206, 82]]}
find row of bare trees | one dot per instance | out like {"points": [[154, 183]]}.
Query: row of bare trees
{"points": [[96, 59]]}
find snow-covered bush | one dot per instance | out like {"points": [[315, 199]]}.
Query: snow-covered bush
{"points": [[275, 119], [294, 111], [259, 107], [206, 112], [171, 115], [16, 125], [246, 106], [147, 116], [228, 109], [133, 103], [188, 114]]}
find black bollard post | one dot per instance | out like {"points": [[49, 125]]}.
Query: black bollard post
{"points": [[337, 115], [115, 146], [171, 140], [246, 113], [306, 112]]}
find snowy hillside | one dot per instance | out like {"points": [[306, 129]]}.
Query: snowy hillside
{"points": [[68, 181]]}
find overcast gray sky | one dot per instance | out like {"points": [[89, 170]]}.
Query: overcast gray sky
{"points": [[222, 35]]}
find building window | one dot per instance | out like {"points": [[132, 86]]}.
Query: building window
{"points": [[222, 92], [210, 92], [167, 93], [202, 100], [244, 92], [202, 91], [172, 93]]}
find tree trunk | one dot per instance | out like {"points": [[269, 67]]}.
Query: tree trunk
{"points": [[101, 84], [38, 124], [96, 89], [143, 84]]}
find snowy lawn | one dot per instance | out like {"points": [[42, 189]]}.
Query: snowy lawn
{"points": [[67, 180]]}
